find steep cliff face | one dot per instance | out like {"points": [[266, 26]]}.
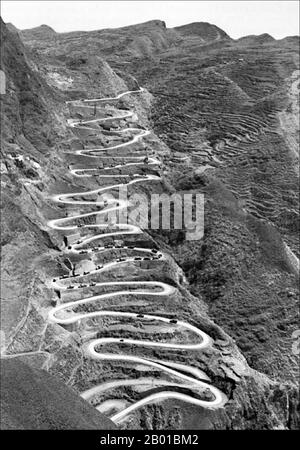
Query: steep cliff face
{"points": [[202, 105]]}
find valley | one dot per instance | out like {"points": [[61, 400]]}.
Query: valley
{"points": [[153, 330]]}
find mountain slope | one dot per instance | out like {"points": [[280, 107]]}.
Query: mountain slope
{"points": [[31, 399]]}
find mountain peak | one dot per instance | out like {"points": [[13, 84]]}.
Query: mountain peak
{"points": [[203, 30], [253, 39], [41, 32]]}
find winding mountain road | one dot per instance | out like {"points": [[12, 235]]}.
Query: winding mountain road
{"points": [[91, 152], [190, 377]]}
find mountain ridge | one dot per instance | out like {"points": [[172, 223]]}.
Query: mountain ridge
{"points": [[194, 28]]}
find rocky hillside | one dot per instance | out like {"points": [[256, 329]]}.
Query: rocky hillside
{"points": [[222, 121]]}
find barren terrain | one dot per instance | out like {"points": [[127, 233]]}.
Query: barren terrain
{"points": [[155, 331]]}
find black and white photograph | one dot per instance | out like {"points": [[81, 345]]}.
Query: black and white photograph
{"points": [[149, 220]]}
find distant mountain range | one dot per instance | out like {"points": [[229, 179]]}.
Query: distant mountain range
{"points": [[204, 30]]}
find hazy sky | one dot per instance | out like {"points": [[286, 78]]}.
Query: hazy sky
{"points": [[237, 18]]}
